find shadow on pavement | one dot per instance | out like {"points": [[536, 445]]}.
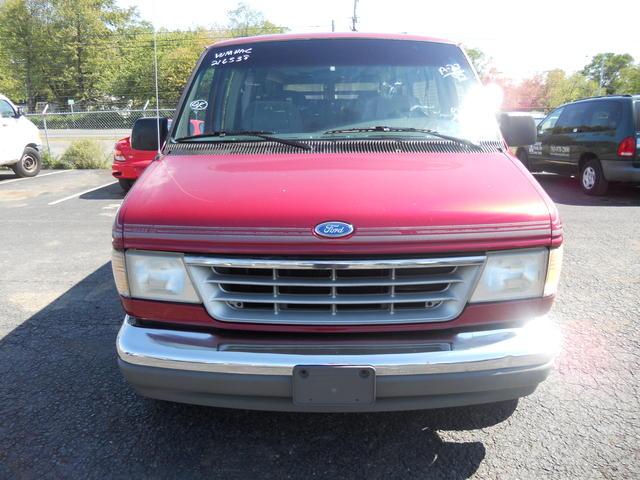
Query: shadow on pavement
{"points": [[7, 175], [110, 192], [566, 191], [67, 412]]}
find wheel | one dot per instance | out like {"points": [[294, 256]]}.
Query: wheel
{"points": [[29, 165], [125, 184], [592, 178], [522, 155]]}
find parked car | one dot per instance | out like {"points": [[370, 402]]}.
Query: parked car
{"points": [[128, 163], [20, 146], [596, 139], [347, 232]]}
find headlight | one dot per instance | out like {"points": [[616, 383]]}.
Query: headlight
{"points": [[512, 275], [159, 276]]}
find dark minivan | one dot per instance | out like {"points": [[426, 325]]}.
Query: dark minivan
{"points": [[597, 139]]}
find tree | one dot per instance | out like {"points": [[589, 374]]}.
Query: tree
{"points": [[96, 52], [629, 80], [479, 60], [560, 88], [58, 49], [23, 61], [605, 68], [243, 21], [530, 93]]}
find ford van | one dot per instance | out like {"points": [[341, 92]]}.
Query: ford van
{"points": [[335, 223]]}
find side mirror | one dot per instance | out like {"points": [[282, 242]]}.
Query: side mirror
{"points": [[19, 112], [518, 129], [144, 135]]}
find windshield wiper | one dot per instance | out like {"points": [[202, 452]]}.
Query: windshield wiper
{"points": [[244, 133], [382, 128]]}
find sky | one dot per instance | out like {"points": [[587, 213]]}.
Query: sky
{"points": [[521, 39]]}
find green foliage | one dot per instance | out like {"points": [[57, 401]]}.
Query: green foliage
{"points": [[629, 80], [560, 88], [84, 154], [605, 68], [93, 51], [479, 60], [245, 21], [53, 162]]}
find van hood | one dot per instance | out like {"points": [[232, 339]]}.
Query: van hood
{"points": [[396, 202]]}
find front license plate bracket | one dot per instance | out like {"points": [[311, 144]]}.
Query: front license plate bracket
{"points": [[334, 385]]}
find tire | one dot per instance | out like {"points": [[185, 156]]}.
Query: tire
{"points": [[592, 179], [523, 156], [29, 165], [125, 184]]}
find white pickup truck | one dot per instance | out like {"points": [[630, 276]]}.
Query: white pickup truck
{"points": [[20, 144]]}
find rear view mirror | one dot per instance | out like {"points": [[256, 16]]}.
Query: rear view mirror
{"points": [[518, 129], [144, 135]]}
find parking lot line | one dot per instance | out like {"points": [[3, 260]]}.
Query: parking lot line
{"points": [[55, 202], [33, 178]]}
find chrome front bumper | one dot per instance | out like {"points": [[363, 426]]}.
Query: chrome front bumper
{"points": [[412, 371], [533, 344]]}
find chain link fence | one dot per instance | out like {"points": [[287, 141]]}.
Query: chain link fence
{"points": [[58, 130]]}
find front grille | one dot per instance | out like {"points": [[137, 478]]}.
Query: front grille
{"points": [[341, 292]]}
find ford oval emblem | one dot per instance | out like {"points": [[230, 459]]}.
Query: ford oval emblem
{"points": [[333, 229]]}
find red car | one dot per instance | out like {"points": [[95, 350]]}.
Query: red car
{"points": [[128, 163], [347, 231]]}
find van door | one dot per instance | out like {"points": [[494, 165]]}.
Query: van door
{"points": [[600, 135], [539, 151], [565, 140], [11, 145]]}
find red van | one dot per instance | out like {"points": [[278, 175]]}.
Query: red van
{"points": [[346, 230]]}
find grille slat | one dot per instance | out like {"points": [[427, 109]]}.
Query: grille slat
{"points": [[328, 299], [357, 282], [341, 292]]}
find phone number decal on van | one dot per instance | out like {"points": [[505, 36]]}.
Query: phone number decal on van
{"points": [[232, 56], [559, 150]]}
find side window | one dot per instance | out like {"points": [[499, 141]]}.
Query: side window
{"points": [[604, 116], [549, 123], [6, 111], [197, 105], [573, 119]]}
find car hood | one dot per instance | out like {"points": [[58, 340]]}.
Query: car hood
{"points": [[397, 203]]}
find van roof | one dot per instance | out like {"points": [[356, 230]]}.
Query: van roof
{"points": [[605, 97], [313, 36]]}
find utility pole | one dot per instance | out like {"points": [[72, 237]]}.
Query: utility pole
{"points": [[354, 19], [333, 25], [602, 75]]}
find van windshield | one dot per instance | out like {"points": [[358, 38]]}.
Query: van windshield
{"points": [[303, 89]]}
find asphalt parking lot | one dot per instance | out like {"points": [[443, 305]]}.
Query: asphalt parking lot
{"points": [[65, 411]]}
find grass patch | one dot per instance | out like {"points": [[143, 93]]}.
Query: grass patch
{"points": [[81, 154], [52, 162]]}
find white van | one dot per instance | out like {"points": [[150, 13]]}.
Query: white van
{"points": [[20, 144]]}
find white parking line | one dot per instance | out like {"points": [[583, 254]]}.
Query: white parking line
{"points": [[33, 178], [80, 193]]}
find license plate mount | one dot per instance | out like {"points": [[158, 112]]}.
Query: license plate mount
{"points": [[334, 385]]}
